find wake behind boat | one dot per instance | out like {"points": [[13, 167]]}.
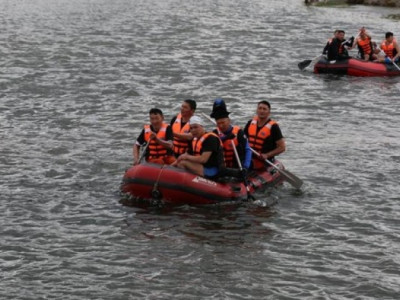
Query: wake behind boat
{"points": [[169, 185]]}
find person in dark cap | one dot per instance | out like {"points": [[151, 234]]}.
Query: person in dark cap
{"points": [[264, 135], [228, 133]]}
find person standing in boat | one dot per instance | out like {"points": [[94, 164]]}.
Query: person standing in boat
{"points": [[391, 48], [265, 136], [205, 156], [337, 49], [158, 135], [180, 127], [228, 133], [364, 44]]}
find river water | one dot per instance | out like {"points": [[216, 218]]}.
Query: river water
{"points": [[77, 79]]}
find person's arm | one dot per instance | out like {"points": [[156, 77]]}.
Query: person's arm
{"points": [[280, 144], [201, 159], [136, 147], [396, 46], [167, 143], [184, 136], [280, 148], [246, 150]]}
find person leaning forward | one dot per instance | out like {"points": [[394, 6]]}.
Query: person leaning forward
{"points": [[205, 156], [264, 135], [180, 127], [159, 137], [228, 133]]}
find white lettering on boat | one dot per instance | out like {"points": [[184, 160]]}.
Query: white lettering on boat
{"points": [[203, 180]]}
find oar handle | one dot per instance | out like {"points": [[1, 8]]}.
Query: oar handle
{"points": [[143, 152], [398, 68], [268, 161]]}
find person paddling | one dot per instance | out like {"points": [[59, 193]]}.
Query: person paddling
{"points": [[391, 48], [264, 135], [180, 127], [228, 133], [158, 136], [337, 49]]}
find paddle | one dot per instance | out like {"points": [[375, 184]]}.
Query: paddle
{"points": [[143, 153], [289, 177], [398, 68], [305, 63], [246, 184]]}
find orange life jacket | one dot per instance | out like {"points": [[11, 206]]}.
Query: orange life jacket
{"points": [[179, 145], [365, 45], [229, 154], [388, 49], [197, 144], [155, 150], [256, 140]]}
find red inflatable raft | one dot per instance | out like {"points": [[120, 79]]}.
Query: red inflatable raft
{"points": [[174, 186], [355, 67]]}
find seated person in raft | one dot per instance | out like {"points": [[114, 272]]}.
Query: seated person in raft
{"points": [[337, 48], [364, 43], [228, 134], [158, 135], [205, 156], [265, 136], [391, 48]]}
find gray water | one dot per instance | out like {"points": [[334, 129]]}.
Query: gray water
{"points": [[77, 79]]}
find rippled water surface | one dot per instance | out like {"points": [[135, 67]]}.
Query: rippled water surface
{"points": [[77, 79]]}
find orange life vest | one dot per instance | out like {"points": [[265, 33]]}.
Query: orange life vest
{"points": [[229, 154], [179, 145], [388, 49], [365, 45], [256, 140], [155, 150], [197, 144]]}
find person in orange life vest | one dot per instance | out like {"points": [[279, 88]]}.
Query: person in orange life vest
{"points": [[337, 49], [391, 48], [205, 156], [364, 44], [159, 136], [181, 128], [228, 133], [264, 135], [335, 35]]}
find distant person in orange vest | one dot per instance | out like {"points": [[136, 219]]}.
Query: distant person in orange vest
{"points": [[391, 48], [364, 44], [228, 133], [181, 128], [205, 156], [264, 135], [158, 136]]}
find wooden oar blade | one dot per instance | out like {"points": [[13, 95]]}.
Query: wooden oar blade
{"points": [[304, 64], [291, 178]]}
